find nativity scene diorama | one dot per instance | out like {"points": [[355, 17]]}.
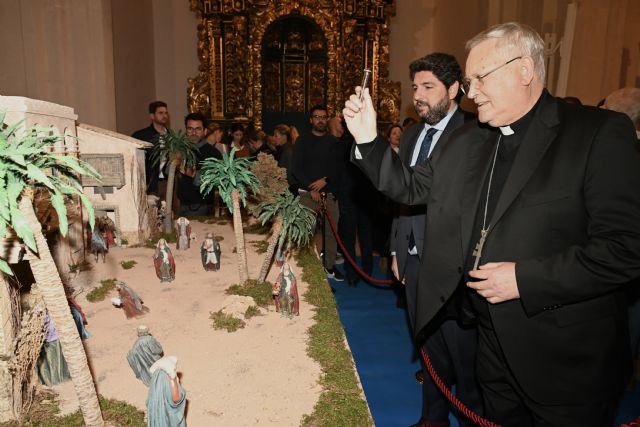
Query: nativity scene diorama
{"points": [[105, 244], [90, 221]]}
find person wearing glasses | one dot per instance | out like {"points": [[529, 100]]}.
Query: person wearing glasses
{"points": [[192, 202], [316, 168], [534, 212]]}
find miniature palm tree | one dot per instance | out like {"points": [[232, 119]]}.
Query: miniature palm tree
{"points": [[174, 148], [294, 224], [232, 177], [27, 165]]}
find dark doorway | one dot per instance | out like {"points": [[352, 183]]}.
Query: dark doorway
{"points": [[294, 72]]}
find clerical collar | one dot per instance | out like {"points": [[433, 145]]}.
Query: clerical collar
{"points": [[506, 130], [521, 125]]}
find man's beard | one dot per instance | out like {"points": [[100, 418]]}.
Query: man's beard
{"points": [[319, 128], [436, 113]]}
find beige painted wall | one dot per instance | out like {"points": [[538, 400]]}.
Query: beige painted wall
{"points": [[60, 51], [105, 58], [155, 51], [175, 45], [134, 64]]}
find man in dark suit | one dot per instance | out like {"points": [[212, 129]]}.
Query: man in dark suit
{"points": [[155, 174], [534, 215], [450, 345]]}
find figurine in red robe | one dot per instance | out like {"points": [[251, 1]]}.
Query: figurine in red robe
{"points": [[164, 263]]}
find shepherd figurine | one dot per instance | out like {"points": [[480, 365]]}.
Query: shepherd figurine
{"points": [[210, 253]]}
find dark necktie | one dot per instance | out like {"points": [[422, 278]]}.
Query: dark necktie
{"points": [[423, 155]]}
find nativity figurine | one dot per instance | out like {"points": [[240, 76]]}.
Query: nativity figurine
{"points": [[163, 262], [51, 365], [166, 400], [108, 229], [183, 234], [210, 253], [79, 317], [130, 301], [285, 293], [144, 353]]}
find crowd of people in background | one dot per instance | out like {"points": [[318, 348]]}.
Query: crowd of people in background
{"points": [[351, 197]]}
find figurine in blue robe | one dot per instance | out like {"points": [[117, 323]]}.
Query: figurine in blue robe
{"points": [[167, 399]]}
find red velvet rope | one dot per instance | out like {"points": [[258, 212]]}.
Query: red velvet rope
{"points": [[634, 423], [452, 398], [346, 254]]}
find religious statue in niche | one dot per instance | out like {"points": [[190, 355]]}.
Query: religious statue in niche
{"points": [[285, 293], [183, 234], [210, 253], [163, 262]]}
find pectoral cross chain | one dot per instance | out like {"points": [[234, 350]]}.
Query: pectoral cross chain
{"points": [[477, 252]]}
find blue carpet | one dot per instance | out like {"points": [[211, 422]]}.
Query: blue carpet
{"points": [[380, 340], [629, 408]]}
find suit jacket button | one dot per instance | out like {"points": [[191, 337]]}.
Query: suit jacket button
{"points": [[442, 299], [459, 269]]}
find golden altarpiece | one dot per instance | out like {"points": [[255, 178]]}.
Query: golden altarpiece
{"points": [[269, 61]]}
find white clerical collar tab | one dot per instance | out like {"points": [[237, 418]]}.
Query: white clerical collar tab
{"points": [[506, 130]]}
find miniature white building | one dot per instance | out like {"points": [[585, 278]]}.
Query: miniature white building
{"points": [[47, 114], [121, 192], [119, 158]]}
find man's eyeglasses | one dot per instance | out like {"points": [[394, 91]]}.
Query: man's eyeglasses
{"points": [[466, 82], [192, 129], [317, 117]]}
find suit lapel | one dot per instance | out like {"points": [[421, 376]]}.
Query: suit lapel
{"points": [[411, 143], [540, 134], [457, 119], [477, 166]]}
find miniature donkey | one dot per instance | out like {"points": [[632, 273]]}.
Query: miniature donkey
{"points": [[99, 244]]}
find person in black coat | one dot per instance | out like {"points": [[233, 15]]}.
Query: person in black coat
{"points": [[534, 215]]}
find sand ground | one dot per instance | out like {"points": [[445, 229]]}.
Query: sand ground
{"points": [[259, 375]]}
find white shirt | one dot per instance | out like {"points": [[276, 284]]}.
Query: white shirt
{"points": [[440, 126]]}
